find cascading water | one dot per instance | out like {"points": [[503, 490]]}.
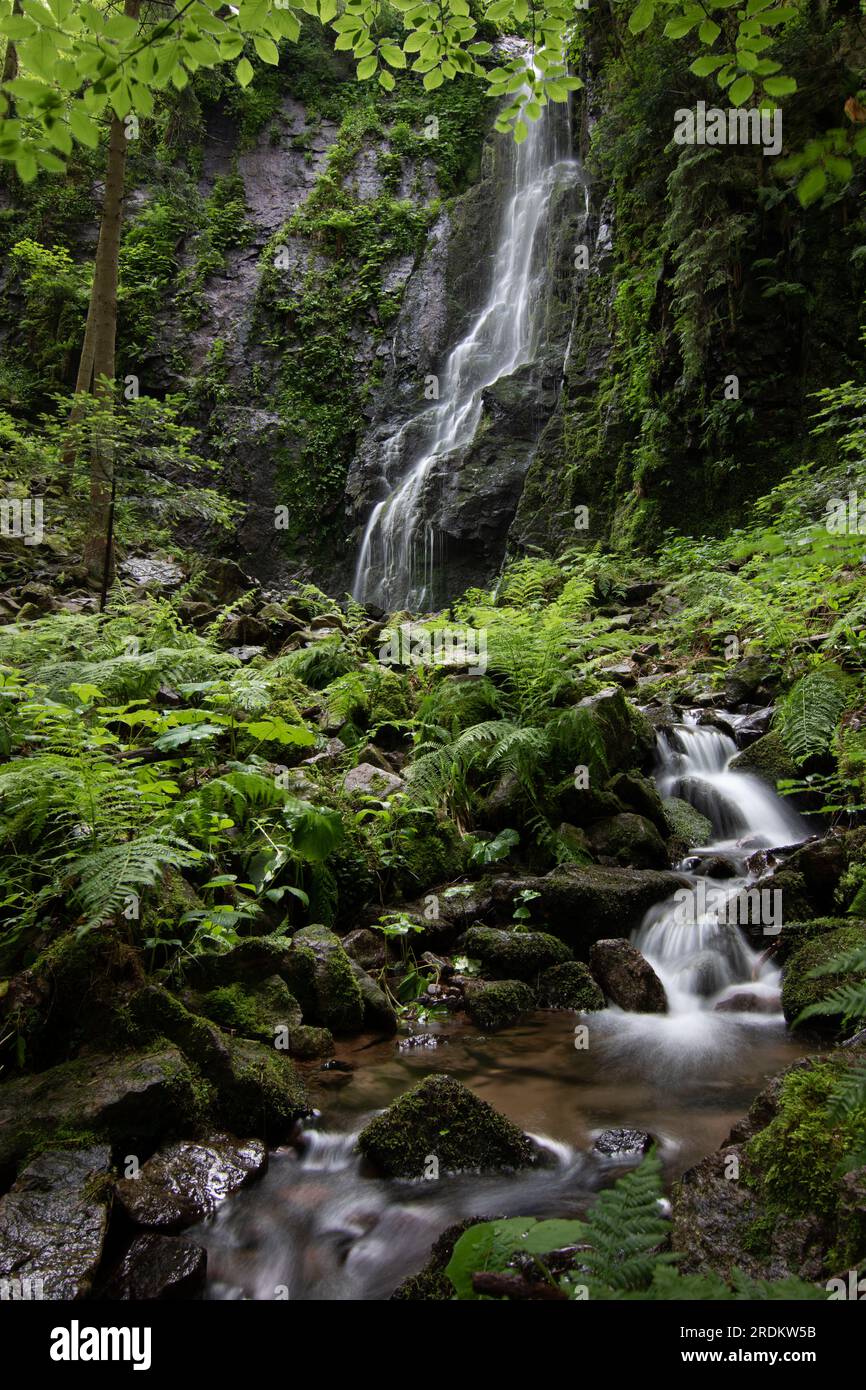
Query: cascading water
{"points": [[397, 556], [716, 982]]}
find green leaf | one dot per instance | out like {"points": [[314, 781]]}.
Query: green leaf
{"points": [[433, 79], [709, 31], [244, 72], [812, 186], [386, 80], [393, 55], [741, 90], [267, 50], [83, 128], [780, 86], [367, 67], [642, 16]]}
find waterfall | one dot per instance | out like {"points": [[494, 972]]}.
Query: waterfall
{"points": [[398, 552], [694, 941]]}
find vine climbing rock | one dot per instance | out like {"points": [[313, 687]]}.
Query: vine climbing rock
{"points": [[627, 978], [442, 1120]]}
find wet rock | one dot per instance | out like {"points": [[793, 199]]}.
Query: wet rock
{"points": [[366, 947], [822, 864], [38, 597], [492, 1006], [153, 572], [244, 631], [746, 1001], [747, 678], [622, 674], [583, 903], [246, 654], [443, 1119], [254, 959], [261, 1093], [158, 1267], [325, 981], [717, 866], [753, 725], [626, 977], [639, 794], [623, 1143], [53, 1222], [220, 582], [569, 986], [371, 781], [186, 1181], [307, 1042], [420, 1041], [799, 991], [136, 1096], [627, 735], [379, 1013], [257, 1010], [514, 954], [686, 825], [630, 841], [767, 758]]}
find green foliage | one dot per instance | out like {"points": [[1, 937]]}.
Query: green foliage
{"points": [[808, 715], [616, 1253]]}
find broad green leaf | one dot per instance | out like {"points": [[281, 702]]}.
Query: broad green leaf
{"points": [[244, 72]]}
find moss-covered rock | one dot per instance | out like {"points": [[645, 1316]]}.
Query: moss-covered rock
{"points": [[767, 758], [628, 840], [569, 986], [254, 1011], [442, 1119], [379, 1012], [126, 1099], [253, 959], [799, 991], [155, 1013], [261, 1092], [686, 826], [514, 954], [626, 734], [639, 793], [323, 979], [435, 856], [498, 1005], [307, 1042]]}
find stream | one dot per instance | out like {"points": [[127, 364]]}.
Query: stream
{"points": [[317, 1227]]}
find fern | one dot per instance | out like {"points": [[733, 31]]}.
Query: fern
{"points": [[106, 877], [809, 713]]}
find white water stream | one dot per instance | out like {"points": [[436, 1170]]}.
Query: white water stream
{"points": [[397, 556]]}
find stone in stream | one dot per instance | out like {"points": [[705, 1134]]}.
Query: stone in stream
{"points": [[497, 1005], [627, 978], [443, 1120], [569, 986], [514, 954], [185, 1181], [53, 1222], [327, 981], [584, 903], [158, 1267], [686, 825], [623, 1143], [767, 758], [746, 1001], [366, 947]]}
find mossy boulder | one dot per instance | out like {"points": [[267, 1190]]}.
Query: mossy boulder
{"points": [[630, 841], [767, 758], [639, 793], [627, 736], [514, 954], [251, 960], [254, 1011], [156, 1013], [569, 986], [686, 826], [261, 1092], [799, 991], [127, 1099], [379, 1012], [435, 856], [498, 1005], [324, 980], [442, 1119], [307, 1042]]}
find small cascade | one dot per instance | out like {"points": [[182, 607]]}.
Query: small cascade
{"points": [[398, 552], [695, 941]]}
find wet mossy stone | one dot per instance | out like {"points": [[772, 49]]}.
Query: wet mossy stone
{"points": [[569, 986], [515, 954], [324, 980], [126, 1099], [799, 991], [379, 1012], [307, 1042], [498, 1005], [629, 841], [767, 758], [627, 736], [54, 1220], [255, 958], [640, 794], [254, 1011], [443, 1119], [261, 1093], [155, 1013], [686, 825]]}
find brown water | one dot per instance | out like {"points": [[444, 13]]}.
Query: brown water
{"points": [[315, 1228]]}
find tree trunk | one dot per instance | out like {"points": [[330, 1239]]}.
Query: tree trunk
{"points": [[97, 367], [10, 62]]}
